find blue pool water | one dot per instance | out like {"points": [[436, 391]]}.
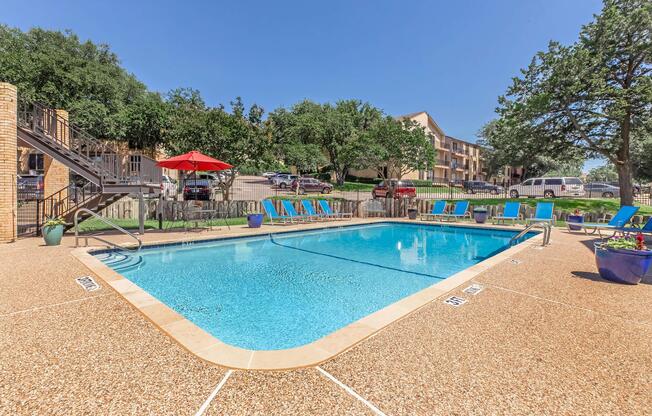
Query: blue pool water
{"points": [[289, 289]]}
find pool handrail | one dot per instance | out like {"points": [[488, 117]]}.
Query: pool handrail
{"points": [[96, 237]]}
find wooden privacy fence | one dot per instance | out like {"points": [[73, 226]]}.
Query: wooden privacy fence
{"points": [[128, 208]]}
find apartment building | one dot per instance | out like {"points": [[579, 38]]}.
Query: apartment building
{"points": [[456, 160]]}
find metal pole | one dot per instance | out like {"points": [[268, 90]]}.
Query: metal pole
{"points": [[141, 211]]}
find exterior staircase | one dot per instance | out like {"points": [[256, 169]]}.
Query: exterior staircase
{"points": [[110, 174]]}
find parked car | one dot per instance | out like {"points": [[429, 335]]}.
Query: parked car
{"points": [[276, 174], [636, 189], [599, 189], [269, 174], [401, 189], [472, 187], [29, 187], [311, 185], [200, 189], [168, 187], [548, 187], [284, 180]]}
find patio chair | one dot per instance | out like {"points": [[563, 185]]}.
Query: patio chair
{"points": [[620, 220], [645, 229], [292, 213], [510, 212], [460, 210], [310, 210], [438, 209], [543, 213], [270, 210], [326, 209]]}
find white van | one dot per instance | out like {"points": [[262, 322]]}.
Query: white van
{"points": [[548, 187]]}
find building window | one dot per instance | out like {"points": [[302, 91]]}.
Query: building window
{"points": [[35, 161]]}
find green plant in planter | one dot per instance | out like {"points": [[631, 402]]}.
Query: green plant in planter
{"points": [[627, 243], [54, 221]]}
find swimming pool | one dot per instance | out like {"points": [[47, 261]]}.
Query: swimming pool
{"points": [[285, 290]]}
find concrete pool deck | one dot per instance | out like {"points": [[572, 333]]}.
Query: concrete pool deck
{"points": [[546, 335]]}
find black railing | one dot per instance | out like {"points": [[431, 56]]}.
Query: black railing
{"points": [[65, 201], [108, 164]]}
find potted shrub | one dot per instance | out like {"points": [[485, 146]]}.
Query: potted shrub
{"points": [[480, 214], [623, 259], [53, 231], [577, 218], [254, 219]]}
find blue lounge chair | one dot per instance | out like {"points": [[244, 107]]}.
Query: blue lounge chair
{"points": [[646, 229], [543, 213], [511, 212], [326, 209], [310, 210], [438, 209], [461, 210], [620, 220], [270, 210], [292, 213]]}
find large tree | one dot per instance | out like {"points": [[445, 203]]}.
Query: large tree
{"points": [[235, 137], [594, 96], [61, 71], [311, 135], [395, 148]]}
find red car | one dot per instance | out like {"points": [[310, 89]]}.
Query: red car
{"points": [[402, 189]]}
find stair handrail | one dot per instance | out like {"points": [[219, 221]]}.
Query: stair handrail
{"points": [[107, 222], [65, 200], [45, 120], [547, 229]]}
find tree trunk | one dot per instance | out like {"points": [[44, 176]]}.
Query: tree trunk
{"points": [[340, 176], [624, 168]]}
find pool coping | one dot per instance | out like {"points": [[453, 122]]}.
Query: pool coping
{"points": [[211, 349]]}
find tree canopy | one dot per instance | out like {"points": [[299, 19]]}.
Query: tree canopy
{"points": [[589, 99]]}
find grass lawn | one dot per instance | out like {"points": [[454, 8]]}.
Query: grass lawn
{"points": [[354, 186], [607, 205]]}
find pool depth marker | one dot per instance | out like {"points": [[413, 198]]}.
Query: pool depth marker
{"points": [[88, 283]]}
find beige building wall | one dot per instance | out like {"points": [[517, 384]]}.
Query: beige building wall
{"points": [[8, 151]]}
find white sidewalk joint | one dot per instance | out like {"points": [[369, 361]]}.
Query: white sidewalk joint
{"points": [[351, 392]]}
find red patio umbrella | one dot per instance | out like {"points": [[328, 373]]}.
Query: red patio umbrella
{"points": [[193, 160]]}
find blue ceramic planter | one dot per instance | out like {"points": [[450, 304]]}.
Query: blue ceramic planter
{"points": [[578, 219], [622, 266], [255, 220], [52, 235]]}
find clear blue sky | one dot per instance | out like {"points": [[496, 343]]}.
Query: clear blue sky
{"points": [[450, 58]]}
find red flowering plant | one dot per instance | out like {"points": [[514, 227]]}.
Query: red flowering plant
{"points": [[627, 242]]}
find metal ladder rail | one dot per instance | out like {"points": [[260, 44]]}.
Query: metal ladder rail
{"points": [[547, 228], [109, 223]]}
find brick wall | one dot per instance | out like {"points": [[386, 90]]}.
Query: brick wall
{"points": [[8, 152]]}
